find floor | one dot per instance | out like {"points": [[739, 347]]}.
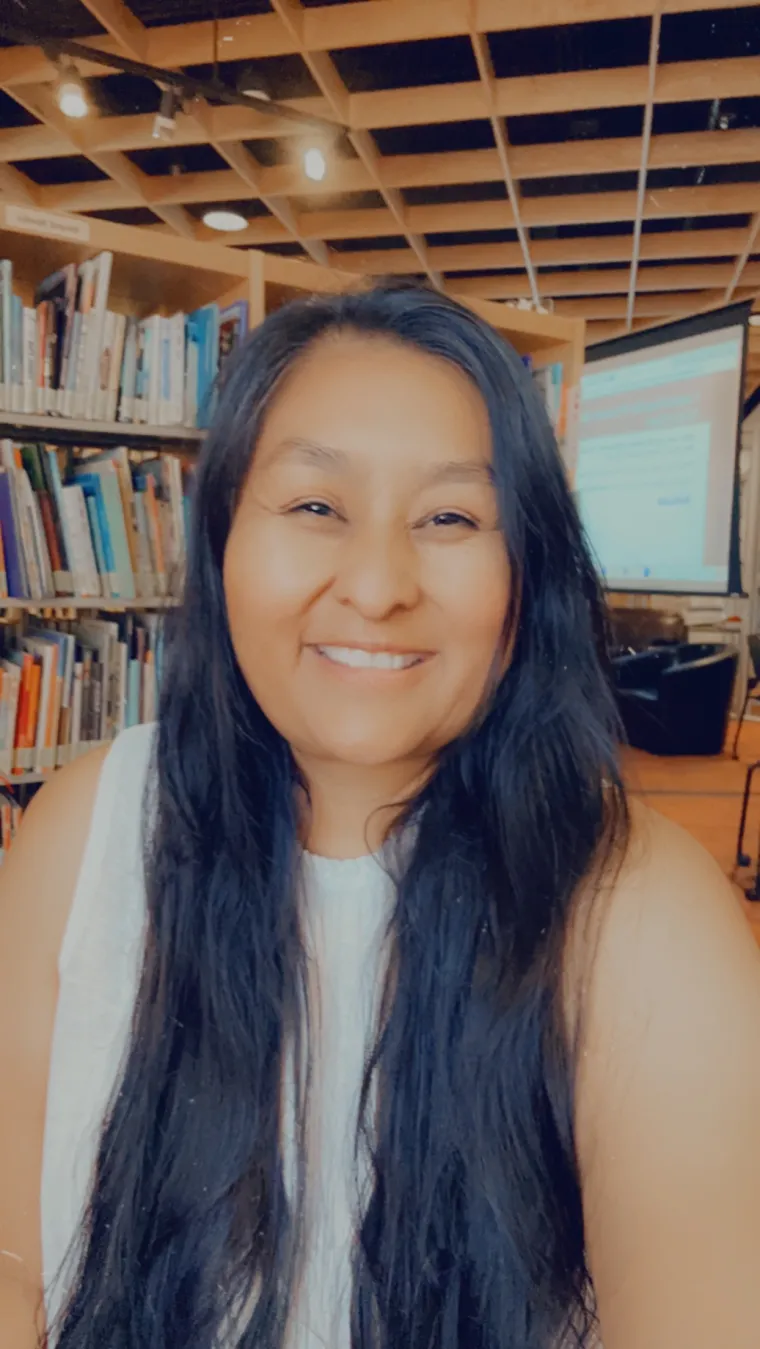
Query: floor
{"points": [[705, 795]]}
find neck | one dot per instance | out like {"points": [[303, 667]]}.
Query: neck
{"points": [[353, 808]]}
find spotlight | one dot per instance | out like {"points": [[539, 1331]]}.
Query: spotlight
{"points": [[70, 94], [227, 221], [165, 120], [253, 85], [314, 163], [754, 320]]}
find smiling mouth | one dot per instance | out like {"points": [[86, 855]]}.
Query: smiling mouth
{"points": [[356, 658]]}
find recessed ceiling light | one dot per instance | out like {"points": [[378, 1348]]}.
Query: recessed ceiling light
{"points": [[70, 93], [314, 163], [227, 221], [754, 320]]}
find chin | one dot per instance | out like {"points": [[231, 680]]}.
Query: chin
{"points": [[372, 751]]}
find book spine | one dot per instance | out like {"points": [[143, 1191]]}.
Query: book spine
{"points": [[117, 356], [29, 361], [17, 354], [105, 359], [6, 293], [82, 557], [97, 332], [154, 370]]}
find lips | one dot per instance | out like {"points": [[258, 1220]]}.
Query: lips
{"points": [[359, 658]]}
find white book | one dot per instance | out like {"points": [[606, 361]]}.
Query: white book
{"points": [[128, 372], [82, 559], [11, 686], [76, 714], [6, 291], [104, 366], [69, 393], [191, 384], [28, 536], [147, 585], [164, 371], [86, 289], [29, 361], [176, 414], [96, 331], [117, 354], [42, 552], [153, 354]]}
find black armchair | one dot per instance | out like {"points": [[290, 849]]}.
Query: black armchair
{"points": [[676, 700]]}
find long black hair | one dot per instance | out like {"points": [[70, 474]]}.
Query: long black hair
{"points": [[473, 1237]]}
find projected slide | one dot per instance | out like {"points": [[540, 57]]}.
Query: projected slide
{"points": [[656, 460]]}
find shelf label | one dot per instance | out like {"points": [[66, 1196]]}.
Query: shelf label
{"points": [[47, 224]]}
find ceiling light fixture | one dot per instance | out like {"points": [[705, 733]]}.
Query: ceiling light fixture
{"points": [[165, 120], [754, 320], [314, 163], [252, 85], [227, 221], [70, 93]]}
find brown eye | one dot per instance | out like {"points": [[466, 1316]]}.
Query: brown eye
{"points": [[450, 519], [318, 508]]}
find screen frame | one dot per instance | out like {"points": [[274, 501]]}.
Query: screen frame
{"points": [[713, 320]]}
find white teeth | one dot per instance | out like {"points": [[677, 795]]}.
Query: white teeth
{"points": [[367, 660]]}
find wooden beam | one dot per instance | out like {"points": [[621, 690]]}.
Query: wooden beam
{"points": [[484, 63], [124, 26], [583, 209], [547, 252], [17, 186], [741, 268], [646, 137], [698, 276], [647, 306], [365, 23], [517, 96], [350, 175]]}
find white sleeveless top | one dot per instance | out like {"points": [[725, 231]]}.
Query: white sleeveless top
{"points": [[346, 910]]}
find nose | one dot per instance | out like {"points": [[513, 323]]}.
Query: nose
{"points": [[378, 572]]}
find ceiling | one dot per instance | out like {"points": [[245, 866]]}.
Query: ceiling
{"points": [[602, 156]]}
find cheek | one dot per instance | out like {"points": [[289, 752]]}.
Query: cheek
{"points": [[471, 589], [266, 576]]}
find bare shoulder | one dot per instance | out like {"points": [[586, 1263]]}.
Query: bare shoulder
{"points": [[669, 905], [667, 1097], [37, 882]]}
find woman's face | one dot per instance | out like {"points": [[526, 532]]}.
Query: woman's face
{"points": [[365, 573]]}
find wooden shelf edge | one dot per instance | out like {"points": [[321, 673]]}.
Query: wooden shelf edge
{"points": [[86, 602], [70, 430]]}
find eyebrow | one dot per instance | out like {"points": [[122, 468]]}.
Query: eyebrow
{"points": [[327, 456]]}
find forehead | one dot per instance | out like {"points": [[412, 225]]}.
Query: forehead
{"points": [[362, 394]]}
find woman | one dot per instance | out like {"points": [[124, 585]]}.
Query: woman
{"points": [[404, 1035]]}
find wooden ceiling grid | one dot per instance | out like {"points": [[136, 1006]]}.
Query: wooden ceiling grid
{"points": [[621, 229]]}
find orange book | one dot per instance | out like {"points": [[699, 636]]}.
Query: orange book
{"points": [[33, 706], [19, 738]]}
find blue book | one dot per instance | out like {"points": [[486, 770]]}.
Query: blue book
{"points": [[203, 330], [97, 538], [14, 571]]}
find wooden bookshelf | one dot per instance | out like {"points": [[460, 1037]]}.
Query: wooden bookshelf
{"points": [[152, 272], [58, 603], [51, 430]]}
